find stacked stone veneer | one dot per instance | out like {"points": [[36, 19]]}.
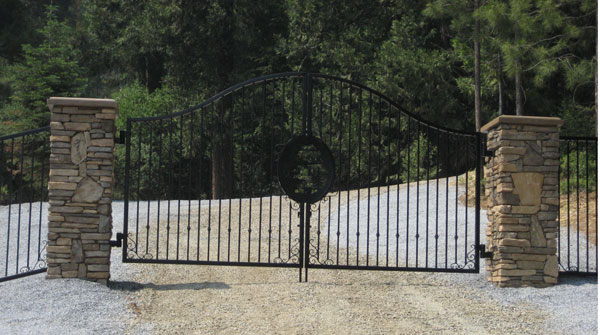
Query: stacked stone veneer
{"points": [[522, 192], [80, 188]]}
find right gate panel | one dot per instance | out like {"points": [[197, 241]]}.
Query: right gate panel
{"points": [[405, 192]]}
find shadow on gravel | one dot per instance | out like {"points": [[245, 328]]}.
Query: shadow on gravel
{"points": [[134, 287], [576, 280]]}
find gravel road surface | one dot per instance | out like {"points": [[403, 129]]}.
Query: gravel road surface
{"points": [[144, 298]]}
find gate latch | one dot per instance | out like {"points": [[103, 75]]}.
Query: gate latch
{"points": [[483, 253], [118, 242]]}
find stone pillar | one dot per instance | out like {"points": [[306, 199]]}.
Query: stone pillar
{"points": [[80, 187], [522, 193]]}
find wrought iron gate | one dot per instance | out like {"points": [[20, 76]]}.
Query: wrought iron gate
{"points": [[301, 170]]}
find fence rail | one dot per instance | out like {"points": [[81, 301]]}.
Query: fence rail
{"points": [[24, 165], [578, 206]]}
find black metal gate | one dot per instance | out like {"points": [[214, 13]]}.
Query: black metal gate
{"points": [[301, 170]]}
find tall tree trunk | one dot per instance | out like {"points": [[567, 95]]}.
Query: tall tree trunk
{"points": [[518, 92], [476, 46], [222, 156], [500, 101], [518, 88]]}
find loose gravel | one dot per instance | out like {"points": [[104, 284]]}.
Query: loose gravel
{"points": [[34, 305], [144, 298]]}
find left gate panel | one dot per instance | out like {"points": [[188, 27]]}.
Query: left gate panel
{"points": [[201, 185], [24, 162]]}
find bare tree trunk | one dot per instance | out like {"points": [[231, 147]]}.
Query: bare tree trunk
{"points": [[222, 157], [500, 101], [476, 46], [221, 154], [518, 91]]}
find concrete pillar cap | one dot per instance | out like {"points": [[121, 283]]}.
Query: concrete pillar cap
{"points": [[540, 121], [81, 102]]}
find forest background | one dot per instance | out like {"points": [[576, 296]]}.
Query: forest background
{"points": [[534, 57]]}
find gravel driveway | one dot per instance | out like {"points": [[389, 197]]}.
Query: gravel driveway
{"points": [[145, 298]]}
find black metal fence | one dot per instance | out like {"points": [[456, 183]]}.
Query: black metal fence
{"points": [[202, 185], [24, 166], [578, 207]]}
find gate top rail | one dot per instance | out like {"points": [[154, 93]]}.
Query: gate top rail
{"points": [[24, 133], [283, 75]]}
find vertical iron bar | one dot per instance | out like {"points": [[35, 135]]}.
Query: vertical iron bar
{"points": [[358, 172], [221, 130], [587, 211], [271, 176], [398, 182], [306, 244], [126, 190], [437, 197], [30, 202], [379, 144], [349, 175], [10, 201], [20, 201], [242, 122], [467, 154], [149, 183], [264, 144], [389, 170], [427, 204], [477, 200], [139, 168], [447, 200], [280, 197], [200, 158], [339, 138], [169, 187], [160, 190], [369, 174], [408, 149], [190, 182], [456, 171], [558, 186], [231, 171], [577, 196], [301, 243], [42, 189], [418, 179], [568, 208]]}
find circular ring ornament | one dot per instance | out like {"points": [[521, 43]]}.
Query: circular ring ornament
{"points": [[306, 169]]}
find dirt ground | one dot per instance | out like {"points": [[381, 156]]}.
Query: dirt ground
{"points": [[235, 300], [198, 299]]}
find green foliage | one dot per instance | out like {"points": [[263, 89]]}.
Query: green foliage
{"points": [[418, 160], [135, 101], [578, 169], [50, 69], [159, 56]]}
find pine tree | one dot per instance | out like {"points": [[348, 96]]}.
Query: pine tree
{"points": [[533, 37], [50, 69]]}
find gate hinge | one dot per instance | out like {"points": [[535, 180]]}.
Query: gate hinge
{"points": [[489, 153], [483, 253], [118, 242], [121, 138]]}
